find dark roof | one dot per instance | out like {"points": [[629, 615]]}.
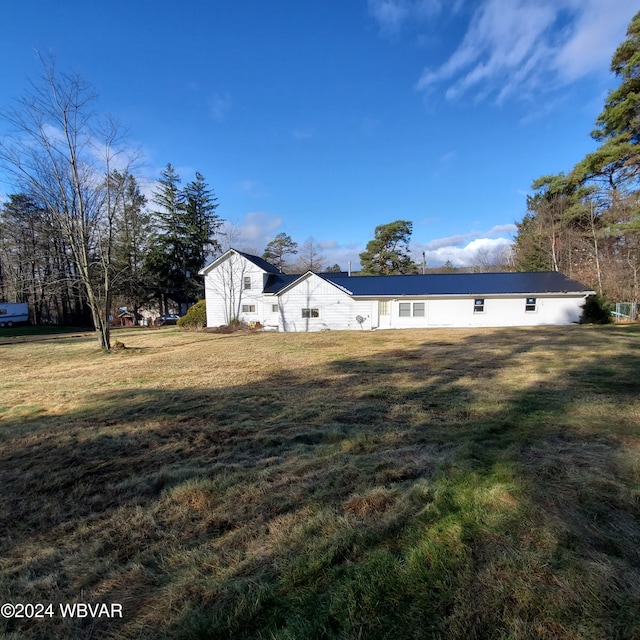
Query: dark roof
{"points": [[278, 281], [456, 284], [259, 262]]}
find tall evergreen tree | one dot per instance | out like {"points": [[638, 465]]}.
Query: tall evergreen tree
{"points": [[202, 221], [185, 225], [165, 262], [388, 252]]}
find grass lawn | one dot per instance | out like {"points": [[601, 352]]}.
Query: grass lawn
{"points": [[450, 484]]}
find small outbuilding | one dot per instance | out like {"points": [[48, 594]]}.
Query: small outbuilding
{"points": [[242, 286]]}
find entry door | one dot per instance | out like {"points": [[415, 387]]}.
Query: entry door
{"points": [[384, 313]]}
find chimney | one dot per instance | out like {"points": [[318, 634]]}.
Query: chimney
{"points": [[349, 268]]}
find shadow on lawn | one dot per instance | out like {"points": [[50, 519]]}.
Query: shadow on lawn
{"points": [[115, 496]]}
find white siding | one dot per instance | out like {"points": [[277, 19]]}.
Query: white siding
{"points": [[498, 312], [226, 295], [336, 309]]}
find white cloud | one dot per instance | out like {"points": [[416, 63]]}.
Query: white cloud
{"points": [[501, 229], [392, 15], [220, 105], [481, 251], [597, 32], [518, 47], [253, 232], [458, 239], [467, 249], [259, 227]]}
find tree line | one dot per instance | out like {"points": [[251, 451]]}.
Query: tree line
{"points": [[137, 255], [586, 223], [77, 237]]}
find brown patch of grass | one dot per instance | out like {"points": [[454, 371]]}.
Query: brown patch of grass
{"points": [[372, 503]]}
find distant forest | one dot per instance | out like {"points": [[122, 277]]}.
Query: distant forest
{"points": [[137, 253]]}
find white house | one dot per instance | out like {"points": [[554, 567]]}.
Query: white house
{"points": [[240, 285]]}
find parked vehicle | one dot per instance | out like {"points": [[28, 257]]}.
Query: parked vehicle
{"points": [[13, 312], [168, 318]]}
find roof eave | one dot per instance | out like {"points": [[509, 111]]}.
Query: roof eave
{"points": [[472, 294]]}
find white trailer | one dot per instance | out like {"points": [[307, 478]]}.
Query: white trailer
{"points": [[13, 312]]}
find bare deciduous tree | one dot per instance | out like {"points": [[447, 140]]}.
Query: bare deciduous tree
{"points": [[61, 154], [309, 258]]}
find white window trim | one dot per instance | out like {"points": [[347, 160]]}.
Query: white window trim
{"points": [[411, 308]]}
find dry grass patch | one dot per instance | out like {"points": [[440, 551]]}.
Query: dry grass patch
{"points": [[405, 484]]}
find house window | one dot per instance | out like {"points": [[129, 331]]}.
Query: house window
{"points": [[311, 313], [478, 305], [247, 282], [383, 307], [405, 309], [274, 308], [248, 308], [530, 304]]}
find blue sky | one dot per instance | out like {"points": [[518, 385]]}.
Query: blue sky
{"points": [[326, 119]]}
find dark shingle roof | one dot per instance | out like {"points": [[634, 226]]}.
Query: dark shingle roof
{"points": [[259, 262], [456, 284]]}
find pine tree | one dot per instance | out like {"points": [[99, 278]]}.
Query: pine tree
{"points": [[165, 261], [616, 163], [202, 222], [282, 245], [388, 252], [186, 223], [621, 114]]}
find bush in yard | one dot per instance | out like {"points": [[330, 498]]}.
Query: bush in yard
{"points": [[195, 318], [595, 311]]}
